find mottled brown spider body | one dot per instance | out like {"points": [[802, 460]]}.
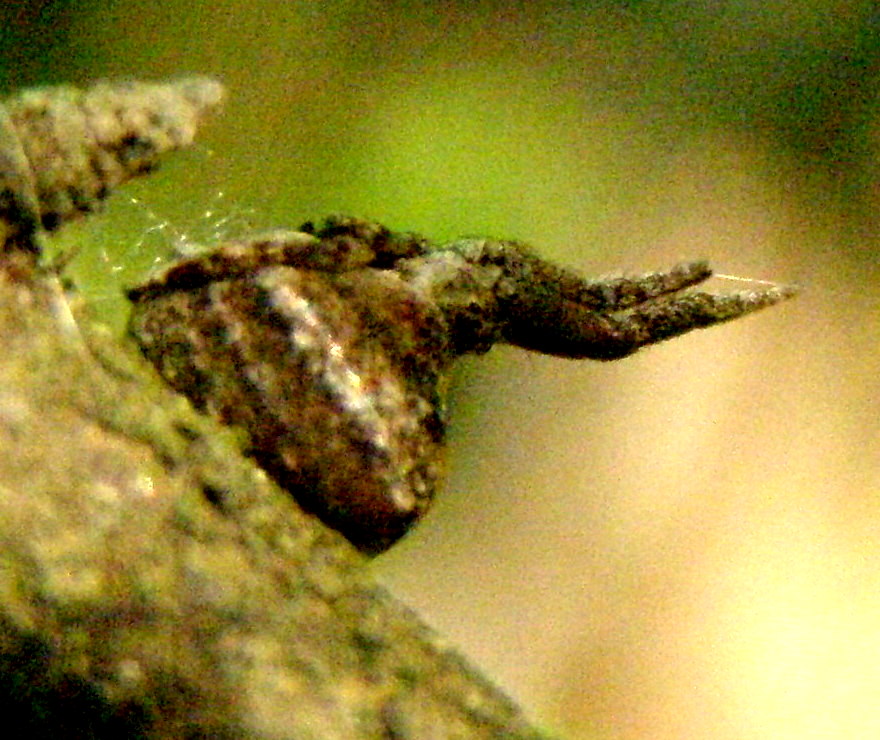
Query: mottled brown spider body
{"points": [[331, 346]]}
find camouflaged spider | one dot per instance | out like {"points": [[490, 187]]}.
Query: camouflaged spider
{"points": [[330, 346]]}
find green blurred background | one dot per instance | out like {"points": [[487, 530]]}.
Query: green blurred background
{"points": [[682, 544]]}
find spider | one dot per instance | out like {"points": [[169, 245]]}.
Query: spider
{"points": [[330, 345]]}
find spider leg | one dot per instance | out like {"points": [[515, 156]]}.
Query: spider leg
{"points": [[610, 319], [241, 257], [617, 293], [387, 246], [654, 321], [230, 259]]}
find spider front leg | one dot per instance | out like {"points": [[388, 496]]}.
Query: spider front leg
{"points": [[607, 320], [540, 306], [610, 336]]}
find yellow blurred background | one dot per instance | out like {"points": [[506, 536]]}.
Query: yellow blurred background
{"points": [[684, 544]]}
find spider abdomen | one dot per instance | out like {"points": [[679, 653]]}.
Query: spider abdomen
{"points": [[342, 405]]}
